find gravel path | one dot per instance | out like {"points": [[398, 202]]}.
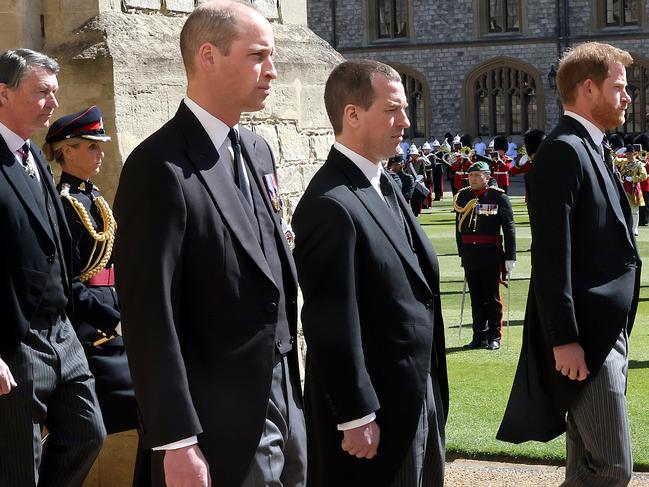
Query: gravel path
{"points": [[473, 473]]}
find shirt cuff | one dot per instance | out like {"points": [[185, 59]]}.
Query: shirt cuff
{"points": [[357, 422], [177, 444]]}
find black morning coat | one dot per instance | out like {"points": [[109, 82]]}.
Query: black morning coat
{"points": [[27, 247], [372, 322], [584, 283], [199, 304]]}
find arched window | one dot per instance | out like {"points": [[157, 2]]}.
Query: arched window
{"points": [[502, 98], [416, 110], [638, 88], [391, 19], [619, 13]]}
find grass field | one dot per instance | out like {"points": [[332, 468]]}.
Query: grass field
{"points": [[480, 380]]}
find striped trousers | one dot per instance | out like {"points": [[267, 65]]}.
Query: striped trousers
{"points": [[56, 390], [598, 443], [424, 463]]}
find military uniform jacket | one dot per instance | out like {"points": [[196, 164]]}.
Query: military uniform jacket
{"points": [[584, 283], [492, 213], [500, 170], [96, 307], [372, 321]]}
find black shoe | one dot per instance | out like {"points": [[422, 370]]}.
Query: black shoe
{"points": [[474, 344], [493, 345]]}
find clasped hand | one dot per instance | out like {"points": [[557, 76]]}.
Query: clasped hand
{"points": [[362, 442], [7, 381], [569, 360]]}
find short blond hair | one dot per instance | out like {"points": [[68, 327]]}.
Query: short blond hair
{"points": [[213, 22], [591, 60]]}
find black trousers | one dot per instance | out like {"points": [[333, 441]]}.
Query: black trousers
{"points": [[486, 307], [56, 390]]}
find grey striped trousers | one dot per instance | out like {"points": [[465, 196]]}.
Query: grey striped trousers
{"points": [[56, 390], [598, 443], [424, 462]]}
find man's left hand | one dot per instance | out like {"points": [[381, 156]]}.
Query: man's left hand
{"points": [[362, 442], [509, 267]]}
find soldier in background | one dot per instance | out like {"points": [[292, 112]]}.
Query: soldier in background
{"points": [[502, 163], [481, 213], [532, 139]]}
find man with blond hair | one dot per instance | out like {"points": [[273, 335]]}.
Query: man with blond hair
{"points": [[205, 275], [585, 279]]}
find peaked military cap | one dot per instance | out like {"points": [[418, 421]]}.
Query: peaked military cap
{"points": [[86, 124]]}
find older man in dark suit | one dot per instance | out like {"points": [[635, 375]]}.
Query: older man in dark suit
{"points": [[585, 280], [44, 375], [376, 367], [205, 276]]}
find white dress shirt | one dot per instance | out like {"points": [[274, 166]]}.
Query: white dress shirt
{"points": [[218, 134], [371, 171], [595, 133]]}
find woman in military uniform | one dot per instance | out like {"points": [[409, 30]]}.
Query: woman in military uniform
{"points": [[74, 141]]}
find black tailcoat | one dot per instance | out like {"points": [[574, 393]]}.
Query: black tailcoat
{"points": [[199, 303], [585, 278], [27, 246], [372, 321]]}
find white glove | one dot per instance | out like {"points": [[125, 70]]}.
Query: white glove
{"points": [[629, 179], [509, 266]]}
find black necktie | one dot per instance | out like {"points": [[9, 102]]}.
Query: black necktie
{"points": [[238, 169]]}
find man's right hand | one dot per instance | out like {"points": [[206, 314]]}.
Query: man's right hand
{"points": [[186, 467], [7, 381], [569, 360], [362, 442]]}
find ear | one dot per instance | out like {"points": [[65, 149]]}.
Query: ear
{"points": [[588, 88], [207, 56], [351, 115], [4, 94]]}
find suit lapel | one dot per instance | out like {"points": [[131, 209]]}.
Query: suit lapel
{"points": [[363, 190], [613, 190], [15, 175], [204, 157], [249, 152]]}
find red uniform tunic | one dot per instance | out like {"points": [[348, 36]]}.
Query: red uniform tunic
{"points": [[500, 169], [461, 168]]}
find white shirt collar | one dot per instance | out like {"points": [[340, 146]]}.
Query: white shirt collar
{"points": [[368, 168], [215, 128], [13, 140], [595, 133]]}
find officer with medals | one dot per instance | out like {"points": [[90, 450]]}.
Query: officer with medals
{"points": [[74, 142], [481, 212]]}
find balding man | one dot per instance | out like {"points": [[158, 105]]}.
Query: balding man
{"points": [[207, 282]]}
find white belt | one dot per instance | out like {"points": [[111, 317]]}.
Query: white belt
{"points": [[497, 172]]}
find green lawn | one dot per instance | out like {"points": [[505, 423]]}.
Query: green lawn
{"points": [[480, 380]]}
